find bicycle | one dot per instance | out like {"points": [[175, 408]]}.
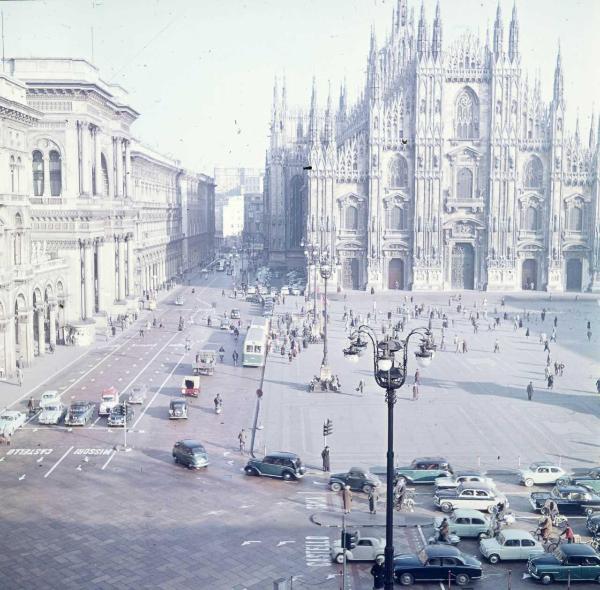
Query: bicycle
{"points": [[558, 520], [552, 541]]}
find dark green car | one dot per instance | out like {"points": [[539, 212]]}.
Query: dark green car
{"points": [[575, 562], [423, 470], [278, 464], [190, 453], [590, 479]]}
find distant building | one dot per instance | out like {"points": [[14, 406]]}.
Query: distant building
{"points": [[233, 216]]}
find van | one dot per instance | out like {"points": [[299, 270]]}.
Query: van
{"points": [[190, 453]]}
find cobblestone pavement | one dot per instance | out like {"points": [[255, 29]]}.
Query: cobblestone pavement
{"points": [[76, 513]]}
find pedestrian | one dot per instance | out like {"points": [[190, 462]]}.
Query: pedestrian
{"points": [[290, 356], [530, 391], [464, 346], [361, 386], [527, 332], [31, 405], [546, 346], [598, 386], [373, 499], [417, 377], [546, 372], [589, 335], [347, 499], [20, 376], [550, 381], [325, 457], [555, 321], [496, 346], [242, 440], [378, 573], [415, 392]]}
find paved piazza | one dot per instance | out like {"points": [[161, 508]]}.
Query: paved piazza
{"points": [[79, 514]]}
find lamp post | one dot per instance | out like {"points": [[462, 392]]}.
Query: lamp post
{"points": [[390, 374], [325, 271], [312, 253]]}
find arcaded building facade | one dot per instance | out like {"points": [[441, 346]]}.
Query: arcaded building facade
{"points": [[451, 171]]}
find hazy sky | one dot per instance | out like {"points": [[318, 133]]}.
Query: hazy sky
{"points": [[201, 71]]}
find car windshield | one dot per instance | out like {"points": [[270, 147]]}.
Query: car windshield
{"points": [[177, 405], [108, 397], [198, 450], [52, 409], [6, 417]]}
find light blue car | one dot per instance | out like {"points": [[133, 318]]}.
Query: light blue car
{"points": [[466, 522]]}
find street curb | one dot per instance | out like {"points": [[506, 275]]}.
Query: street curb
{"points": [[313, 518]]}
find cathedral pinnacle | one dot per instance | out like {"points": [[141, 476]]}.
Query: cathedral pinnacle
{"points": [[422, 34], [592, 139], [577, 135], [436, 44], [275, 100], [498, 32], [513, 37], [558, 96], [313, 130]]}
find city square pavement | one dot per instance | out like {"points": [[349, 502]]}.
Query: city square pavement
{"points": [[78, 511]]}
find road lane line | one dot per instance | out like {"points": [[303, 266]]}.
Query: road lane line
{"points": [[58, 462], [108, 461]]}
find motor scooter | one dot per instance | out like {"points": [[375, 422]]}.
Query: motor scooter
{"points": [[451, 539]]}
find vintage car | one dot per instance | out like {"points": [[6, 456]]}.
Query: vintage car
{"points": [[541, 473], [466, 522], [592, 522], [52, 414], [179, 300], [79, 413], [235, 314], [178, 409], [190, 453], [510, 545], [281, 464], [190, 386], [453, 481], [436, 563], [421, 470], [359, 480], [590, 479], [110, 398], [138, 394], [569, 500], [49, 398], [367, 549], [224, 324], [469, 495], [120, 415], [206, 363], [575, 562], [10, 421]]}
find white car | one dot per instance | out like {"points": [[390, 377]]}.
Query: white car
{"points": [[10, 421], [367, 549], [469, 495], [510, 545], [541, 473], [285, 290], [251, 290], [49, 398], [110, 398], [453, 481], [52, 414], [179, 301]]}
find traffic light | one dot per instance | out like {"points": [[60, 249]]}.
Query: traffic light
{"points": [[349, 540], [328, 427]]}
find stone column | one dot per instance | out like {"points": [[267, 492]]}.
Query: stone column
{"points": [[101, 273], [86, 162], [39, 312], [126, 144], [88, 278], [7, 333], [46, 190], [98, 162], [130, 266], [26, 336], [121, 277], [119, 167], [52, 318]]}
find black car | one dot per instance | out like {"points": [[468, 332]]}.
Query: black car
{"points": [[422, 470], [592, 522], [359, 480], [436, 563], [79, 413], [190, 453], [278, 464], [120, 415], [569, 500]]}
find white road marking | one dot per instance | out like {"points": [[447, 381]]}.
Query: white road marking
{"points": [[108, 461], [284, 543], [22, 477], [57, 463], [248, 542]]}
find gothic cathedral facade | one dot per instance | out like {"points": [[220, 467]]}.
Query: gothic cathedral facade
{"points": [[449, 172]]}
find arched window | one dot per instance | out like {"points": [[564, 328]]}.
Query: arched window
{"points": [[397, 218], [531, 218], [38, 173], [351, 217], [464, 184], [104, 174], [12, 174], [398, 172], [55, 174], [576, 219], [533, 173], [467, 115]]}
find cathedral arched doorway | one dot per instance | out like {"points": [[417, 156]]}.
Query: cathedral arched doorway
{"points": [[396, 274], [529, 274], [574, 274], [350, 274], [463, 266]]}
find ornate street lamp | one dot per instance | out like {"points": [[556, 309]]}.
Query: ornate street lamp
{"points": [[390, 366], [325, 271]]}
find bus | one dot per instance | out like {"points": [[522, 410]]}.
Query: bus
{"points": [[255, 347], [263, 323]]}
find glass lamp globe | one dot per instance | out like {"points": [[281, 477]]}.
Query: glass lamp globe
{"points": [[384, 364]]}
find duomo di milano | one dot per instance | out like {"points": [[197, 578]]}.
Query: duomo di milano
{"points": [[451, 171]]}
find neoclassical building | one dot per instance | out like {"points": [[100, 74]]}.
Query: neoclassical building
{"points": [[451, 170], [90, 218]]}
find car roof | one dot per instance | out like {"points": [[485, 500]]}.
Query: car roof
{"points": [[441, 551], [282, 454], [568, 489], [515, 533], [190, 442], [577, 549], [469, 512], [436, 459], [544, 464], [50, 392], [467, 473], [476, 485], [10, 412]]}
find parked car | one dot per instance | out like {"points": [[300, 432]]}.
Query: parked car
{"points": [[235, 314], [541, 473], [138, 394], [277, 464], [10, 421], [120, 415], [510, 545], [569, 500], [421, 470], [469, 495], [467, 523], [453, 481], [296, 290], [79, 413], [52, 414], [590, 479], [592, 522], [109, 399], [359, 480], [367, 549], [179, 300], [49, 398], [190, 453], [577, 562], [285, 290], [225, 323], [178, 409], [436, 563]]}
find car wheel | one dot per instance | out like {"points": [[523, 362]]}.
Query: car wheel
{"points": [[562, 482], [462, 579], [446, 507], [546, 579], [339, 558], [589, 511], [598, 579], [287, 476], [367, 489], [335, 486], [493, 558], [406, 580], [250, 471], [528, 482]]}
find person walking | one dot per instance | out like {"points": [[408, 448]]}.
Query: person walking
{"points": [[550, 381], [361, 386], [415, 392], [589, 335], [31, 406], [373, 499], [378, 573], [20, 376], [464, 346], [325, 457], [598, 386], [347, 499], [417, 377], [242, 440], [496, 346], [530, 391]]}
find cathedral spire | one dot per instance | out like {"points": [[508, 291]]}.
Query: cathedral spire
{"points": [[342, 102], [559, 85], [498, 32], [577, 134], [275, 109], [401, 14], [313, 130], [592, 138], [436, 43], [422, 34], [513, 36], [284, 97], [328, 127]]}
